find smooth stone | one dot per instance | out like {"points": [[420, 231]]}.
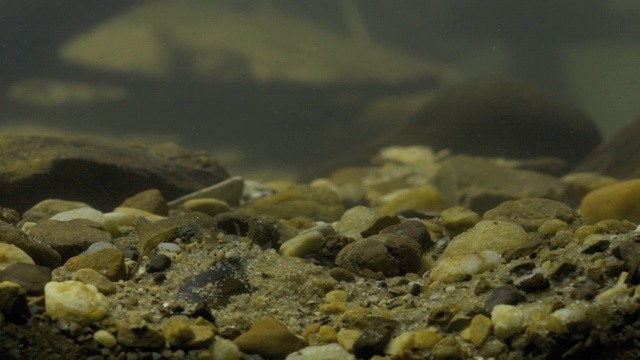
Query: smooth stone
{"points": [[424, 198], [507, 320], [504, 295], [149, 200], [9, 216], [68, 238], [30, 277], [371, 342], [229, 191], [133, 214], [112, 222], [225, 280], [360, 221], [108, 262], [224, 349], [390, 254], [10, 254], [140, 336], [480, 329], [211, 207], [618, 201], [75, 302], [105, 338], [322, 352], [481, 184], [496, 236], [87, 213], [306, 243], [13, 303], [48, 208], [458, 267], [412, 229], [98, 246], [399, 344], [169, 247], [269, 338], [581, 183], [447, 348], [42, 254], [298, 201], [92, 277], [531, 213], [179, 332]]}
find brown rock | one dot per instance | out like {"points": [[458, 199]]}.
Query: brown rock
{"points": [[269, 338], [618, 201], [92, 277], [30, 277], [149, 200], [36, 168], [68, 238], [108, 262], [41, 253]]}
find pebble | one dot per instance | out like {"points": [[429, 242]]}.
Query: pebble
{"points": [[306, 243], [323, 352], [75, 302], [30, 277], [10, 254], [401, 343], [360, 221], [459, 219], [92, 277], [108, 262], [424, 198], [412, 229], [447, 348], [9, 216], [49, 207], [371, 342], [132, 214], [42, 254], [211, 207], [618, 201], [158, 263], [269, 338], [87, 213], [480, 329], [105, 338], [260, 232], [347, 337], [504, 295], [179, 332], [507, 320], [224, 349], [531, 213], [341, 274], [149, 200], [496, 236], [426, 339], [458, 267]]}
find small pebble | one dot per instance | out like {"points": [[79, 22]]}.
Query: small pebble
{"points": [[75, 302], [158, 263]]}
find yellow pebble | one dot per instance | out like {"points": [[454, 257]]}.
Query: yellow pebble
{"points": [[426, 339], [328, 334], [105, 338], [333, 308], [479, 329], [336, 296], [347, 337], [400, 343]]}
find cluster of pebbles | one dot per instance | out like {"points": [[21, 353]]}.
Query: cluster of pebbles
{"points": [[421, 255]]}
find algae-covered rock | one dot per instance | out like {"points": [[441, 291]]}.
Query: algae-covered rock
{"points": [[503, 117], [34, 168]]}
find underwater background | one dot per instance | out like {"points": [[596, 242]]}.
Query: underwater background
{"points": [[275, 88]]}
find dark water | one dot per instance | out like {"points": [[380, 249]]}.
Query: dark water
{"points": [[286, 85]]}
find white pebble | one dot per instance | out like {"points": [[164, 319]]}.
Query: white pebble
{"points": [[456, 267], [80, 213], [325, 352], [302, 245], [507, 320]]}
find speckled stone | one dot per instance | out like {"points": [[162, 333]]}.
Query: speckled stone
{"points": [[42, 254], [269, 338], [618, 201], [73, 301], [531, 213]]}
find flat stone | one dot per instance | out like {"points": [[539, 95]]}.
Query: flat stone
{"points": [[360, 221], [30, 277], [68, 238], [86, 213], [459, 219], [49, 207], [149, 200], [35, 168], [460, 266], [211, 207], [618, 201], [480, 184], [10, 254], [531, 213], [108, 262], [307, 242], [41, 253], [228, 190], [269, 338], [298, 201], [73, 301]]}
